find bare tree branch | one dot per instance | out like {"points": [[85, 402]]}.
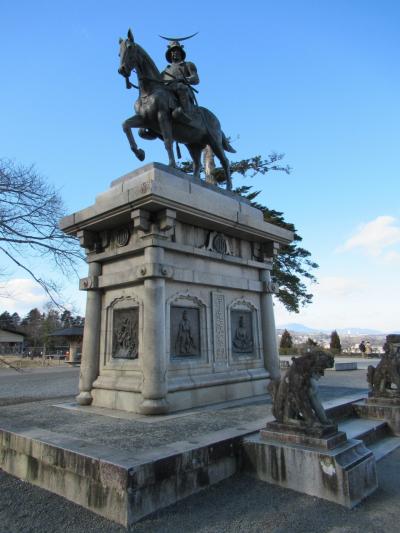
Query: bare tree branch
{"points": [[30, 209]]}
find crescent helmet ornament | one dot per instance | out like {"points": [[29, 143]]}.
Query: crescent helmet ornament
{"points": [[178, 38]]}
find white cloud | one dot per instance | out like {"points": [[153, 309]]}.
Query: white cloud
{"points": [[346, 302], [392, 258], [336, 286], [375, 236], [20, 295]]}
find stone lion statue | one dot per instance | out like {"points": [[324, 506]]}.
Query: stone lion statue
{"points": [[295, 395], [387, 373]]}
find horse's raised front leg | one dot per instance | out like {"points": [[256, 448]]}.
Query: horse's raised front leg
{"points": [[164, 121], [133, 122]]}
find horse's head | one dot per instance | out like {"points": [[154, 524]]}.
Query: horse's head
{"points": [[127, 54]]}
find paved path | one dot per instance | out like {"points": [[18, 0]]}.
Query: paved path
{"points": [[37, 384], [362, 362]]}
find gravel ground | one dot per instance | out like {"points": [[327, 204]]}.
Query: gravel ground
{"points": [[239, 504]]}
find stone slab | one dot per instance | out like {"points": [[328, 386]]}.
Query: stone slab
{"points": [[155, 185], [363, 428], [120, 485], [280, 432], [384, 446], [346, 366], [345, 475]]}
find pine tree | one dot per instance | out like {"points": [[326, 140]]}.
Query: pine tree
{"points": [[32, 325], [293, 267], [286, 340], [6, 320], [335, 344]]}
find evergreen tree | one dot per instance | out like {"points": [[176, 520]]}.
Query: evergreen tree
{"points": [[66, 319], [292, 266], [51, 322], [32, 325], [16, 320], [6, 320], [286, 340], [335, 344]]}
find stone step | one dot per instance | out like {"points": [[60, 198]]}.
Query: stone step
{"points": [[364, 429], [343, 407], [384, 446], [375, 433]]}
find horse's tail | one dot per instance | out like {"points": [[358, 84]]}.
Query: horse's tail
{"points": [[226, 144]]}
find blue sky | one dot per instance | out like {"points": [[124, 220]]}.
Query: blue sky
{"points": [[317, 80]]}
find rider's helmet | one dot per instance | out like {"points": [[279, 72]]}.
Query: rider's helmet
{"points": [[171, 46]]}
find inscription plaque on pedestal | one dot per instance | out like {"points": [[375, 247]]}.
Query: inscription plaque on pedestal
{"points": [[125, 333], [242, 332], [219, 323], [185, 331]]}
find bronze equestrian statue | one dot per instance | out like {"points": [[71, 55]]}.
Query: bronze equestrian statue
{"points": [[158, 113]]}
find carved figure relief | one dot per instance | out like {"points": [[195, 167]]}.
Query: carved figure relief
{"points": [[125, 333], [185, 331], [242, 334]]}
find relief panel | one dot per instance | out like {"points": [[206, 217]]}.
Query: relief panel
{"points": [[242, 332], [185, 332], [125, 334]]}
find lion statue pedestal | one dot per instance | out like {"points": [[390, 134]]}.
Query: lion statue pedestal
{"points": [[383, 402], [302, 449]]}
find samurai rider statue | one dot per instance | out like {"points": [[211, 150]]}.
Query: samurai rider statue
{"points": [[180, 75]]}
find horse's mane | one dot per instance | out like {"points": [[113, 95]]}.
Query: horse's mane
{"points": [[145, 57]]}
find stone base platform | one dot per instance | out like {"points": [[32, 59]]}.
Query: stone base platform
{"points": [[332, 468], [125, 466], [120, 465]]}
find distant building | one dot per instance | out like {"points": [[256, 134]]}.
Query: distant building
{"points": [[11, 341], [74, 336]]}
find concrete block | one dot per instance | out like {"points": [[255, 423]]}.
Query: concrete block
{"points": [[345, 475]]}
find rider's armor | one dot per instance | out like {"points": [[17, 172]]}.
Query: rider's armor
{"points": [[181, 75]]}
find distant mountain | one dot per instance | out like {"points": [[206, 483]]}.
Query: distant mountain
{"points": [[359, 331], [298, 328], [301, 328]]}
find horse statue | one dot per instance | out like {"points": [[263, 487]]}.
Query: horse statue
{"points": [[154, 113]]}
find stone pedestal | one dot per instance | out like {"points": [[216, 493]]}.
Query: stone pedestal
{"points": [[331, 467], [179, 296]]}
